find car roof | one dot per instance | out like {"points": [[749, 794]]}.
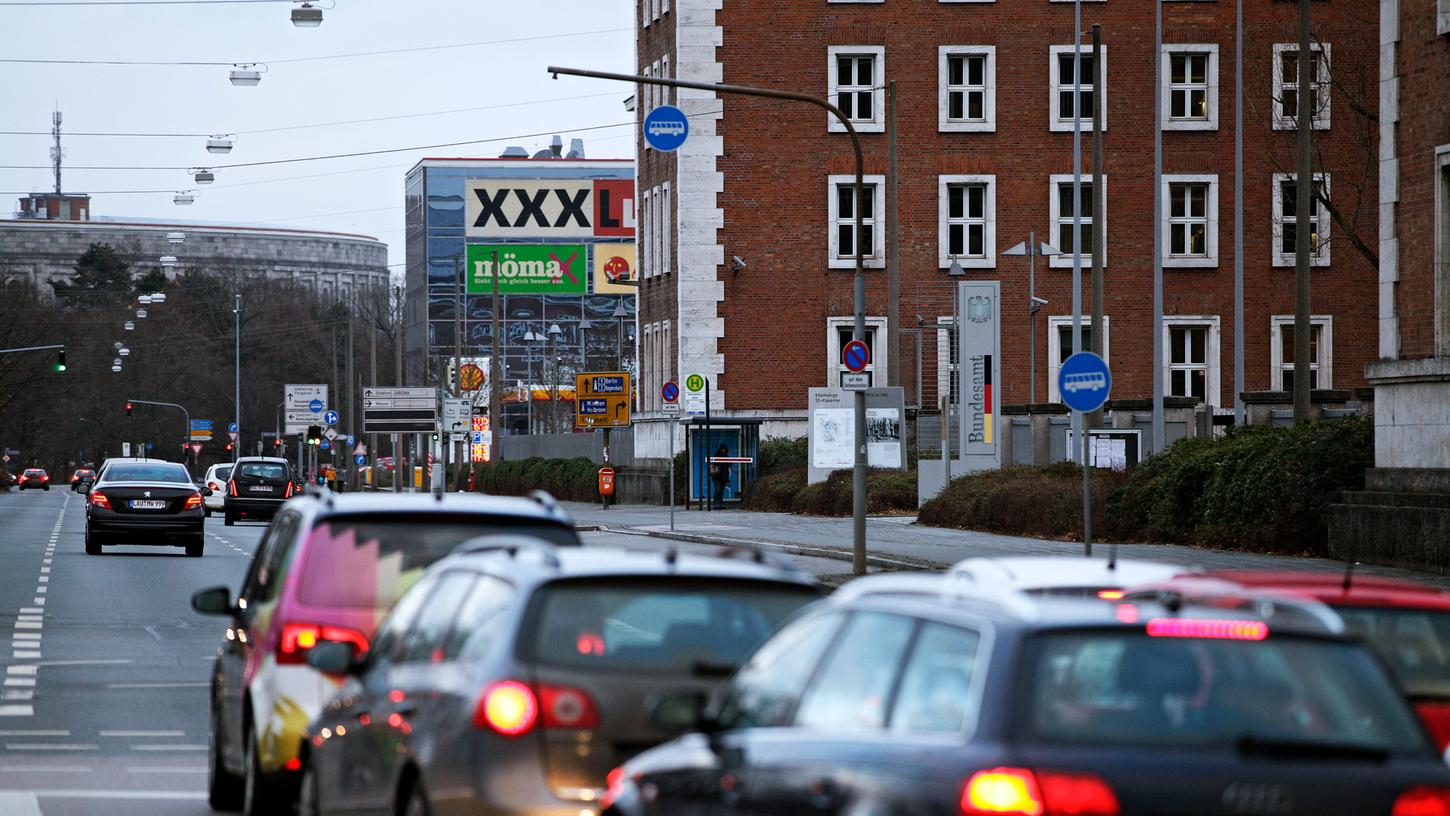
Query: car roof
{"points": [[1329, 587], [277, 459], [1053, 572], [372, 503], [543, 563]]}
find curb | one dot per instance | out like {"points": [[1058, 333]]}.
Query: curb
{"points": [[892, 563]]}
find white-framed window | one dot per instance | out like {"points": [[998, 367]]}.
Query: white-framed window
{"points": [[1190, 226], [1190, 86], [644, 13], [1286, 84], [656, 92], [656, 233], [648, 392], [1442, 247], [1067, 90], [967, 218], [667, 94], [665, 267], [1059, 346], [967, 88], [1442, 17], [841, 192], [858, 86], [1287, 221], [1191, 362], [839, 331], [1060, 207], [1281, 352], [664, 7], [646, 235]]}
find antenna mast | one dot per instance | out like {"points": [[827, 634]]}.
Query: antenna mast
{"points": [[55, 152]]}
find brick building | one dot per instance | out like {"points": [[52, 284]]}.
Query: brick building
{"points": [[746, 239]]}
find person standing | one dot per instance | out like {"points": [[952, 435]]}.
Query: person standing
{"points": [[719, 477]]}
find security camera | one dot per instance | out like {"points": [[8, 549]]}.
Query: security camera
{"points": [[1039, 301], [737, 263]]}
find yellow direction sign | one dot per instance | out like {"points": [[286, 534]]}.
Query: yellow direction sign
{"points": [[602, 400]]}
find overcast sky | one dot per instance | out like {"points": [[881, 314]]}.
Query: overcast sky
{"points": [[361, 194]]}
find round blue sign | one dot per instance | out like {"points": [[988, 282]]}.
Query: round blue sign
{"points": [[670, 392], [1084, 382], [232, 427], [316, 406], [856, 356], [360, 459], [330, 417], [666, 128], [326, 445]]}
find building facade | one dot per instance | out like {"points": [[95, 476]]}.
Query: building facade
{"points": [[561, 231], [748, 235]]}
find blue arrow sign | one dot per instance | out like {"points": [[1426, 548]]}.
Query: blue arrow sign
{"points": [[232, 428], [325, 445], [361, 459], [1084, 382], [330, 417], [316, 406], [856, 356], [670, 391], [666, 128], [201, 424]]}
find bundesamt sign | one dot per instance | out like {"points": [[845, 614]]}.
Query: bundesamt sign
{"points": [[557, 209], [981, 355], [555, 269]]}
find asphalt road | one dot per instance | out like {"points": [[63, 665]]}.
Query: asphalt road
{"points": [[104, 704]]}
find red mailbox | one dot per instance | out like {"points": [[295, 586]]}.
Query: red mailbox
{"points": [[606, 481]]}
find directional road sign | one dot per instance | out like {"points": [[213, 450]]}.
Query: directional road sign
{"points": [[457, 415], [1084, 381], [666, 128], [325, 445], [856, 356], [602, 400], [297, 406], [330, 417], [361, 459], [670, 391], [201, 430], [231, 428], [400, 410]]}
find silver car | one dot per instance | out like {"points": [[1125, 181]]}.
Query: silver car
{"points": [[514, 676]]}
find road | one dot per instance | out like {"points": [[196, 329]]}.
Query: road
{"points": [[104, 702]]}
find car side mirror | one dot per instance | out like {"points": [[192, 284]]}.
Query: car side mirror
{"points": [[677, 712], [206, 491], [84, 487], [213, 601], [335, 658]]}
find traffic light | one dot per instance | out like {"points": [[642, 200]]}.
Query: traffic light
{"points": [[229, 447], [128, 409], [314, 434], [435, 436], [276, 443], [60, 361]]}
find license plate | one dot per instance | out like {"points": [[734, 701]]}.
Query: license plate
{"points": [[148, 504], [260, 489]]}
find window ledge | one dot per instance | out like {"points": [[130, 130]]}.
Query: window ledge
{"points": [[967, 127], [1190, 124], [968, 263], [835, 126], [850, 263], [1287, 262], [1190, 263], [1066, 127]]}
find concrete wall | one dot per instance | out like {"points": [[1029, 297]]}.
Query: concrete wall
{"points": [[571, 445]]}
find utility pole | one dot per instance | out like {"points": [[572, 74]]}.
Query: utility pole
{"points": [[1159, 436], [351, 403], [1100, 216], [1239, 215], [237, 417], [399, 459], [457, 353], [1078, 421], [495, 371], [893, 249], [1303, 191], [373, 380]]}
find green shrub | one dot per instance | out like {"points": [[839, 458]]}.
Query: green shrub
{"points": [[887, 491], [1021, 500], [778, 454], [567, 479], [774, 493]]}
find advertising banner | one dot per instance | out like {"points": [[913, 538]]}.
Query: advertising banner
{"points": [[525, 269], [556, 209], [616, 270]]}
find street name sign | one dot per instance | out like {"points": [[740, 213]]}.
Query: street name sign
{"points": [[855, 380], [400, 410], [297, 406], [602, 400]]}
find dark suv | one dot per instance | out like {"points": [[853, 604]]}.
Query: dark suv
{"points": [[257, 487], [325, 571], [993, 702], [515, 675]]}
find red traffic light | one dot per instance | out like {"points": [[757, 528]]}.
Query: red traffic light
{"points": [[229, 446], [128, 409]]}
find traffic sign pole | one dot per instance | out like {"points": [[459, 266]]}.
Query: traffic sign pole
{"points": [[1083, 384]]}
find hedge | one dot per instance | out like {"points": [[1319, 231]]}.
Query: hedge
{"points": [[1022, 500], [567, 479], [887, 491]]}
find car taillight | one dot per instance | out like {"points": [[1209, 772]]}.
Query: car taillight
{"points": [[212, 486], [45, 478], [1024, 792], [232, 487], [288, 494], [298, 638], [1423, 801], [192, 501], [1208, 628], [614, 785], [508, 707], [23, 478], [101, 500], [564, 707]]}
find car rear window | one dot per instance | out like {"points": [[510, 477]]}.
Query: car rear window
{"points": [[657, 623], [1415, 642], [34, 473], [223, 473], [262, 470], [1125, 687], [148, 473], [368, 561]]}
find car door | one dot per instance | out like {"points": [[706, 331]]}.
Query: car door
{"points": [[258, 629], [702, 775], [231, 672]]}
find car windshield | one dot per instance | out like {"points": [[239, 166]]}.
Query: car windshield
{"points": [[1415, 642], [367, 561], [672, 623], [1127, 688], [262, 470], [158, 472]]}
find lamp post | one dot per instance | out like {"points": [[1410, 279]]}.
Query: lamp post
{"points": [[1031, 248], [554, 334], [237, 448], [620, 314], [530, 338], [584, 326]]}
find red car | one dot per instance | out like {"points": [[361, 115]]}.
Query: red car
{"points": [[1407, 622]]}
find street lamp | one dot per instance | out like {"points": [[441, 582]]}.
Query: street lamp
{"points": [[184, 199], [220, 144], [307, 16], [530, 337], [1032, 248], [245, 74], [620, 313], [584, 326], [202, 175]]}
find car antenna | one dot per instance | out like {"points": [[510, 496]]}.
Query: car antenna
{"points": [[1113, 557], [1349, 574]]}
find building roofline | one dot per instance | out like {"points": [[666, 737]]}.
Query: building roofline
{"points": [[185, 226], [426, 160]]}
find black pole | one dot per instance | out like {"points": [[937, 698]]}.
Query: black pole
{"points": [[709, 478]]}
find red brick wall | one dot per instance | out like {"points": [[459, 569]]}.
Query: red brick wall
{"points": [[658, 295]]}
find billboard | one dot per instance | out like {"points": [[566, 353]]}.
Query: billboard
{"points": [[527, 269], [616, 269], [556, 209]]}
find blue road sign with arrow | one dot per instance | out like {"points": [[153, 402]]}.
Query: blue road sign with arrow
{"points": [[1084, 382], [330, 417], [360, 459], [325, 445], [666, 128], [232, 428]]}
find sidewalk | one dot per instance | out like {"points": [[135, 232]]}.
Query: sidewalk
{"points": [[896, 542]]}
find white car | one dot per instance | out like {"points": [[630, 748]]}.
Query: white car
{"points": [[1065, 575], [216, 479]]}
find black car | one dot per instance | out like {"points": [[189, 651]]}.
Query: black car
{"points": [[34, 478], [257, 487], [515, 675], [144, 501], [993, 702]]}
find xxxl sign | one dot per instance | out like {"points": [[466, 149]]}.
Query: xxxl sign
{"points": [[550, 208]]}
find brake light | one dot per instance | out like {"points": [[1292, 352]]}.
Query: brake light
{"points": [[23, 477], [564, 707], [213, 486], [1110, 594], [45, 478], [508, 707], [298, 638], [1023, 792], [614, 785], [1208, 628], [193, 501], [232, 487], [101, 500], [288, 494], [1423, 801]]}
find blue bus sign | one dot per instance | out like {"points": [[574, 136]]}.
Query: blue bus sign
{"points": [[666, 128], [1084, 382]]}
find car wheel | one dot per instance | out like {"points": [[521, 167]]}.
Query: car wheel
{"points": [[258, 797], [307, 797], [223, 788], [93, 544], [417, 801], [206, 511], [230, 520], [193, 549]]}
